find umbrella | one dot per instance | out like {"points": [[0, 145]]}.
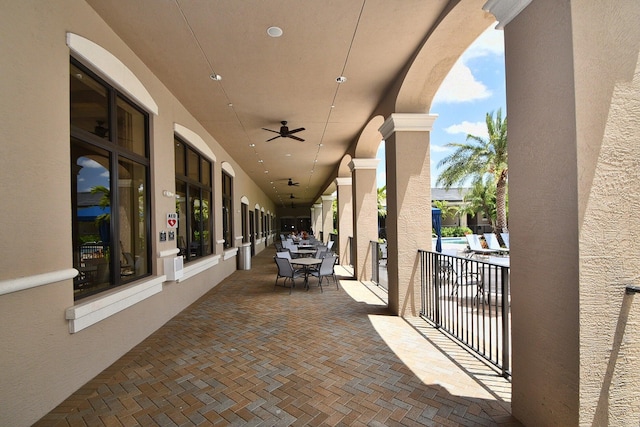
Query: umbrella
{"points": [[436, 222]]}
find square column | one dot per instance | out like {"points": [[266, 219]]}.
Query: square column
{"points": [[345, 218], [327, 218], [408, 206], [573, 90], [316, 219], [365, 214]]}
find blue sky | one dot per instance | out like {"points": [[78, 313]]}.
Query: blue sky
{"points": [[474, 87]]}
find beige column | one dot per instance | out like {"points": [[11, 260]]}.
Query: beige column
{"points": [[408, 206], [345, 218], [365, 214], [316, 220], [327, 217], [573, 90]]}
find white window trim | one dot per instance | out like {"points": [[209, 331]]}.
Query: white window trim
{"points": [[111, 67], [93, 310]]}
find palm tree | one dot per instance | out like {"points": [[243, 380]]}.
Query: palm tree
{"points": [[446, 210], [479, 157], [382, 201], [481, 198]]}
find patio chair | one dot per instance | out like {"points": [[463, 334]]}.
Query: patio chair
{"points": [[456, 272], [286, 271], [326, 270], [492, 242]]}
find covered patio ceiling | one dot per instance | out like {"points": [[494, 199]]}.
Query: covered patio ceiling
{"points": [[292, 77]]}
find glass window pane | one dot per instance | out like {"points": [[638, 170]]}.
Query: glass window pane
{"points": [[181, 210], [197, 214], [92, 218], [89, 103], [207, 246], [206, 173], [131, 128], [179, 154], [132, 188], [193, 163]]}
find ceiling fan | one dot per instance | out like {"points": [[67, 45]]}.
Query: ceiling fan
{"points": [[292, 184], [284, 132]]}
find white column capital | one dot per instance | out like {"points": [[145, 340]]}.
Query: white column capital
{"points": [[407, 122], [318, 206], [328, 198], [363, 164], [505, 10], [344, 181]]}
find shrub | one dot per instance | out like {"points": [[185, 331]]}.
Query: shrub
{"points": [[455, 231]]}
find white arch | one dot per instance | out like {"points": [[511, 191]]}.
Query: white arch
{"points": [[194, 139], [110, 66], [244, 200], [226, 166]]}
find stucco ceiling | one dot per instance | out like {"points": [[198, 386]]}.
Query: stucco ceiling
{"points": [[266, 80]]}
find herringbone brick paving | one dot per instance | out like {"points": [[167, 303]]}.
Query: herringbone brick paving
{"points": [[249, 354]]}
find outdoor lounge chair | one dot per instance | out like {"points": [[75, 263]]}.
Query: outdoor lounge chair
{"points": [[492, 242], [505, 239], [476, 247]]}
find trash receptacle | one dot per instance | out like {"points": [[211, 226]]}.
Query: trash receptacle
{"points": [[244, 257]]}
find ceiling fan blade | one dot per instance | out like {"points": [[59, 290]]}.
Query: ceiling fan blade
{"points": [[295, 137], [271, 139], [296, 130], [271, 130]]}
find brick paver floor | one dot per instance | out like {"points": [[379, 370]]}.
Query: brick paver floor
{"points": [[249, 354]]}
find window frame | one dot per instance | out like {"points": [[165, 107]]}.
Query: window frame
{"points": [[116, 153], [189, 182], [227, 210]]}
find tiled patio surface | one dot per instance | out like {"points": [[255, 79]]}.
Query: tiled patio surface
{"points": [[249, 354]]}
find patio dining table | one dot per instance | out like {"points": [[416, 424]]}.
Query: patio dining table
{"points": [[306, 263]]}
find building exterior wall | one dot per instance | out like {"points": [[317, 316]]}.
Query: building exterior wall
{"points": [[573, 96], [42, 362]]}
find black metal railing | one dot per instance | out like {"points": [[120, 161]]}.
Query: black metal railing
{"points": [[351, 249], [470, 300], [375, 263]]}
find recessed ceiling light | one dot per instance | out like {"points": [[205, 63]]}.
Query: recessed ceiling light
{"points": [[252, 145], [341, 79], [287, 155], [216, 77], [274, 31], [260, 161]]}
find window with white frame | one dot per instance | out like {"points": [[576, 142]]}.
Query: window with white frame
{"points": [[193, 201], [109, 184]]}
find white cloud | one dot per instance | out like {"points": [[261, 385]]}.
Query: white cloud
{"points": [[440, 149], [89, 163], [477, 129], [460, 85]]}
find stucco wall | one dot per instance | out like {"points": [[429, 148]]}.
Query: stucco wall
{"points": [[41, 363], [572, 94]]}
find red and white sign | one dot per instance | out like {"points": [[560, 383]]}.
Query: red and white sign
{"points": [[172, 220]]}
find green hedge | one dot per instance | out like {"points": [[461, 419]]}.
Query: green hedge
{"points": [[455, 231]]}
